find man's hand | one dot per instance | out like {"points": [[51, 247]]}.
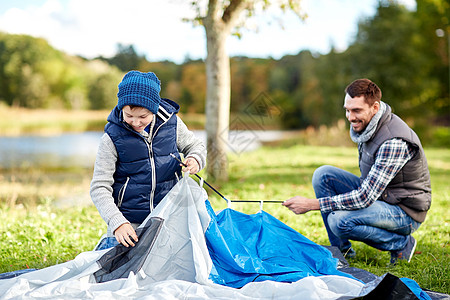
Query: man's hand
{"points": [[125, 235], [301, 205], [191, 165]]}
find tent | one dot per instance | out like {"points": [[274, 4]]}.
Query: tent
{"points": [[187, 251]]}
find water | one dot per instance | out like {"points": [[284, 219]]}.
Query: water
{"points": [[70, 149], [80, 149]]}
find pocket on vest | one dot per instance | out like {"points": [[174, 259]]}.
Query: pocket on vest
{"points": [[122, 193]]}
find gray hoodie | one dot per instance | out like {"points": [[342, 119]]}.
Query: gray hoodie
{"points": [[105, 166]]}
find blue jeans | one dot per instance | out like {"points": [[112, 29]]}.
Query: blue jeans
{"points": [[107, 242], [381, 225]]}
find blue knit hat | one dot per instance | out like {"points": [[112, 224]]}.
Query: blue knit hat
{"points": [[140, 89]]}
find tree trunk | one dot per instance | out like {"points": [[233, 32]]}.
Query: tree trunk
{"points": [[218, 24], [217, 101]]}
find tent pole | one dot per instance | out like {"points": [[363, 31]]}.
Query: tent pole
{"points": [[218, 193]]}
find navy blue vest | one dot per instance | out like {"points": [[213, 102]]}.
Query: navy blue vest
{"points": [[145, 171]]}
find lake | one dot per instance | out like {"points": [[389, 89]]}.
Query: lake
{"points": [[80, 149]]}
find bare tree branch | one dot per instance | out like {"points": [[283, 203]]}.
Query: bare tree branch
{"points": [[213, 9], [231, 12]]}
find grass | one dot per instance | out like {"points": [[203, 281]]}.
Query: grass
{"points": [[35, 232]]}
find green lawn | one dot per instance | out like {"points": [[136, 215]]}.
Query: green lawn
{"points": [[40, 235]]}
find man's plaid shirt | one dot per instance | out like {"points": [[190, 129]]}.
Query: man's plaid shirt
{"points": [[390, 158]]}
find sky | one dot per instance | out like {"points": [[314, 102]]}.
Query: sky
{"points": [[155, 28]]}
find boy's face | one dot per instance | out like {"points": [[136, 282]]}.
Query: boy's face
{"points": [[137, 117]]}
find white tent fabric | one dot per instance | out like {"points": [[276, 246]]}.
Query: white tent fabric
{"points": [[177, 266]]}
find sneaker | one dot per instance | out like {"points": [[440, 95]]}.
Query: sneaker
{"points": [[405, 253], [348, 253]]}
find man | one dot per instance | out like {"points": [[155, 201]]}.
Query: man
{"points": [[390, 200]]}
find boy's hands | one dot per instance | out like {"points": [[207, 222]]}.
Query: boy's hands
{"points": [[191, 165], [125, 235]]}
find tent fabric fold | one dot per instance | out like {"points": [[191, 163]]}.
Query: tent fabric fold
{"points": [[120, 260], [186, 251]]}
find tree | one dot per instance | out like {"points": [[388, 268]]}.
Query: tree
{"points": [[401, 64], [219, 20], [434, 20], [193, 83], [22, 62], [126, 58], [103, 89]]}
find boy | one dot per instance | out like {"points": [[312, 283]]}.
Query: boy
{"points": [[134, 170]]}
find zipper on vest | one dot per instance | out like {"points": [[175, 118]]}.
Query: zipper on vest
{"points": [[122, 192], [152, 163], [150, 152]]}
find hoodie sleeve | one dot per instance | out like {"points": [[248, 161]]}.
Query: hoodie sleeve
{"points": [[101, 185], [190, 145]]}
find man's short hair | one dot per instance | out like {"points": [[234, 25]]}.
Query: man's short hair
{"points": [[364, 87]]}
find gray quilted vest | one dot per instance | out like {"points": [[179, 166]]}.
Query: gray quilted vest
{"points": [[410, 188]]}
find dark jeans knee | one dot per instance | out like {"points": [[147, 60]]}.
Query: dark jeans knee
{"points": [[339, 224], [319, 175]]}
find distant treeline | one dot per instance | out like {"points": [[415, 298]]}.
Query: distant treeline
{"points": [[404, 52]]}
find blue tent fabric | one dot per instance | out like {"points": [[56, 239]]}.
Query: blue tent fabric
{"points": [[415, 288], [13, 274], [247, 248]]}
